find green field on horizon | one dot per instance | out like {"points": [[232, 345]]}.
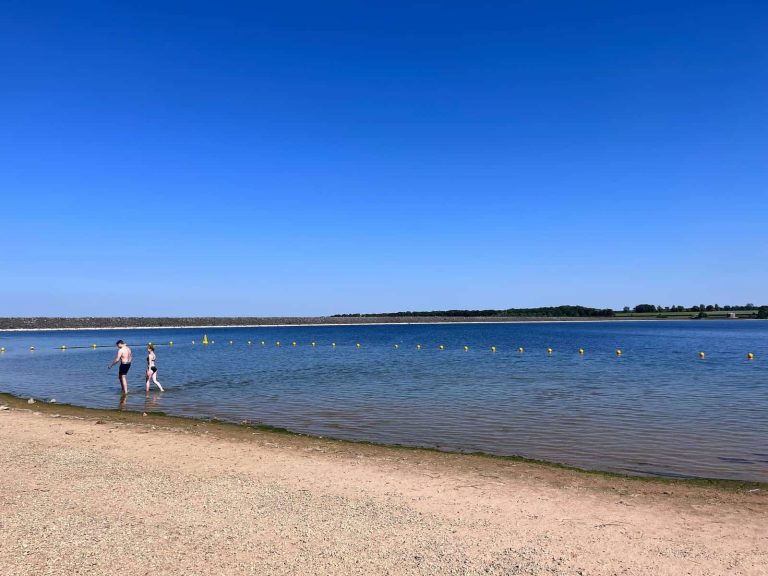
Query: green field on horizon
{"points": [[713, 314]]}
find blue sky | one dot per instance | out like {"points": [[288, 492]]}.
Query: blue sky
{"points": [[242, 158]]}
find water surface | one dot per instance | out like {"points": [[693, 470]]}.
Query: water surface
{"points": [[658, 409]]}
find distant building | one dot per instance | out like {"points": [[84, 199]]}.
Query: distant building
{"points": [[732, 315]]}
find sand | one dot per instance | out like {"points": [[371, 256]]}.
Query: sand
{"points": [[89, 492]]}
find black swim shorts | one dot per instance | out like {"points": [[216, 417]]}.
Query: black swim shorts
{"points": [[124, 369], [154, 368]]}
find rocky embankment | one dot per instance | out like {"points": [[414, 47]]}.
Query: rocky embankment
{"points": [[51, 323]]}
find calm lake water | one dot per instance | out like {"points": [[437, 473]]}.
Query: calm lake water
{"points": [[658, 409]]}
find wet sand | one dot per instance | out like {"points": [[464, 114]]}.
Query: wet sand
{"points": [[102, 492]]}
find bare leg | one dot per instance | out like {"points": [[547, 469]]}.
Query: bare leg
{"points": [[149, 377], [124, 384], [154, 379]]}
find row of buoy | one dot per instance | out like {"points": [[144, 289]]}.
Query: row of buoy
{"points": [[441, 347]]}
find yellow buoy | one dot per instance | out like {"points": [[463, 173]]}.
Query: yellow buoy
{"points": [[466, 348], [250, 343], [750, 356], [63, 347], [313, 344], [493, 348], [205, 338], [92, 346], [170, 343], [618, 352], [701, 355], [193, 341], [333, 344], [277, 343], [520, 349], [357, 345], [293, 343], [442, 347], [549, 350], [581, 351], [418, 346], [2, 348]]}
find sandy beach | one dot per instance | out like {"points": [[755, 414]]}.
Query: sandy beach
{"points": [[100, 492]]}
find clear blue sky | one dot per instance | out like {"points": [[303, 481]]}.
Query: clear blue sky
{"points": [[245, 158]]}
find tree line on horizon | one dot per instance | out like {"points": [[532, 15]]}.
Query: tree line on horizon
{"points": [[548, 311], [762, 311], [568, 311]]}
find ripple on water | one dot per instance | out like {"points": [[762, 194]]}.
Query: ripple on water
{"points": [[657, 410]]}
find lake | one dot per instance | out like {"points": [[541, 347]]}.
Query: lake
{"points": [[658, 409]]}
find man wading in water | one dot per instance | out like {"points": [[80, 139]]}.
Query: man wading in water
{"points": [[124, 357]]}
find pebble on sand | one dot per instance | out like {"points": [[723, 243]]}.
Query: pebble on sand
{"points": [[31, 401]]}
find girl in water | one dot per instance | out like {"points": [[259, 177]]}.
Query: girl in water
{"points": [[152, 368]]}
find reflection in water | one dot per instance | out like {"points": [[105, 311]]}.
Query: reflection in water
{"points": [[151, 401]]}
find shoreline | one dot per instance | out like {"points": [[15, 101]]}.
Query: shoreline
{"points": [[323, 321], [86, 490], [246, 427], [205, 326]]}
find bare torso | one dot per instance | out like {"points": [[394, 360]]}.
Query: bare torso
{"points": [[125, 355]]}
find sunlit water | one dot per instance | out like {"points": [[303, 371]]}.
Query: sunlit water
{"points": [[658, 409]]}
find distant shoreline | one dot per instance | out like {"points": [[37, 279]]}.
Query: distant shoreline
{"points": [[22, 324]]}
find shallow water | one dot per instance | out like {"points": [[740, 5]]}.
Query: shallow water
{"points": [[658, 409]]}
